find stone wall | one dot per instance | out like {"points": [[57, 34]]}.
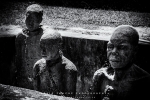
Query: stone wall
{"points": [[87, 55]]}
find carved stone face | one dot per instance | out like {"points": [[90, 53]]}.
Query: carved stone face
{"points": [[119, 50], [33, 20], [50, 53]]}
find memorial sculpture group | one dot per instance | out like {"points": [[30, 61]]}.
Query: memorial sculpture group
{"points": [[40, 64], [39, 49]]}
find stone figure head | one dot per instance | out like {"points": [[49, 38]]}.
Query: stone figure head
{"points": [[34, 14], [122, 46], [50, 44]]}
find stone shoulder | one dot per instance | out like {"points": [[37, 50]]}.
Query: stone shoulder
{"points": [[68, 64], [21, 36], [103, 73], [99, 73], [47, 28], [44, 27], [40, 63], [137, 73]]}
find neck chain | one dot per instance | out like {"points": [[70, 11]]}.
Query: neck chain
{"points": [[27, 32]]}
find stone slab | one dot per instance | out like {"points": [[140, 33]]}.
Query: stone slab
{"points": [[8, 92]]}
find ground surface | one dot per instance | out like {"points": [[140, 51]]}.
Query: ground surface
{"points": [[14, 13], [64, 18]]}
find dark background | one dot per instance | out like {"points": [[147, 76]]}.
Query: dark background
{"points": [[121, 5]]}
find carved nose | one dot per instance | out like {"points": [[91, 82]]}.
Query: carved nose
{"points": [[44, 52], [115, 51]]}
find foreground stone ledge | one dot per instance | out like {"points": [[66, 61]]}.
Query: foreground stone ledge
{"points": [[8, 92]]}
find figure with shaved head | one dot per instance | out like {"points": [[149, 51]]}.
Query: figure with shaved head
{"points": [[121, 79], [27, 46], [54, 73]]}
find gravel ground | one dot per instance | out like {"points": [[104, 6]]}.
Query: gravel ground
{"points": [[14, 13]]}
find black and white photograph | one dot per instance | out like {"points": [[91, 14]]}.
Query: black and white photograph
{"points": [[74, 50]]}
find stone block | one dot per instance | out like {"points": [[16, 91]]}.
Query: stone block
{"points": [[8, 92]]}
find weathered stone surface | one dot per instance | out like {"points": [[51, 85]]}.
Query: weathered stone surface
{"points": [[85, 48], [27, 53], [87, 55], [8, 92], [90, 55]]}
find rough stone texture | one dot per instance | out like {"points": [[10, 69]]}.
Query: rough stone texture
{"points": [[8, 92], [56, 76], [85, 48], [88, 56], [27, 53]]}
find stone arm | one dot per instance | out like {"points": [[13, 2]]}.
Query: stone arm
{"points": [[95, 93], [70, 82], [36, 77]]}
